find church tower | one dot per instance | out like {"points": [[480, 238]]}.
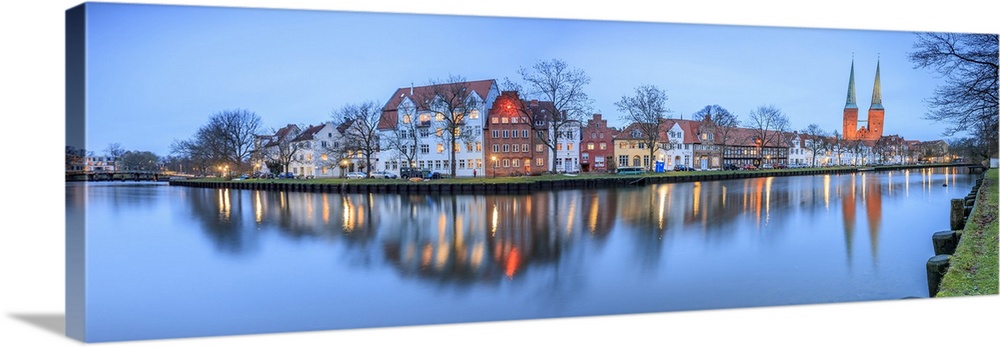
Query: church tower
{"points": [[851, 110], [876, 114], [872, 128]]}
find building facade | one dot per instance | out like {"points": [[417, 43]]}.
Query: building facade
{"points": [[597, 152], [412, 128]]}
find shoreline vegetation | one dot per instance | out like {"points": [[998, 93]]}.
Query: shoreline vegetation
{"points": [[973, 269]]}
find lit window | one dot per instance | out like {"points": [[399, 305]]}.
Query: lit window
{"points": [[474, 114], [406, 119], [504, 120]]}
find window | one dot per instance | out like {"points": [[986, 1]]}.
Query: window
{"points": [[636, 161], [515, 163], [468, 146], [506, 148], [425, 118], [504, 120], [539, 162], [439, 117], [496, 134], [438, 132], [622, 144], [524, 147], [513, 120], [524, 133], [474, 114], [645, 160], [622, 160], [496, 148], [425, 132], [440, 147], [586, 156], [479, 163], [602, 135], [506, 133], [558, 146], [539, 148], [506, 162], [513, 134], [406, 119], [604, 145], [569, 146], [437, 164], [461, 164], [590, 146], [642, 145], [479, 146], [324, 157], [425, 149], [494, 120]]}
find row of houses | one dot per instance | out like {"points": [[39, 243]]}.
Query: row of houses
{"points": [[498, 133]]}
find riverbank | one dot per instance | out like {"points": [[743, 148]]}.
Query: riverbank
{"points": [[523, 184], [973, 269]]}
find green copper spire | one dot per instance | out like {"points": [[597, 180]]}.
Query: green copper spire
{"points": [[877, 90], [851, 102]]}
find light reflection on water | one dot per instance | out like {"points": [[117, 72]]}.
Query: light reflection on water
{"points": [[163, 258]]}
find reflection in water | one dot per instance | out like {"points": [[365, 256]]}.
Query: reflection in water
{"points": [[716, 244]]}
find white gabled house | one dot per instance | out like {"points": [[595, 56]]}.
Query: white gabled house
{"points": [[411, 132], [321, 153]]}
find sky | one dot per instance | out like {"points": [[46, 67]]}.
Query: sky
{"points": [[156, 73]]}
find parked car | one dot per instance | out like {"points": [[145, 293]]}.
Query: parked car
{"points": [[732, 167], [682, 167], [749, 167], [432, 175], [383, 174], [408, 172], [355, 175], [286, 175]]}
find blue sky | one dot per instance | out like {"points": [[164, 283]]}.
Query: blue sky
{"points": [[157, 73]]}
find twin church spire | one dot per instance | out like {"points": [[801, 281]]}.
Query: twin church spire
{"points": [[872, 130]]}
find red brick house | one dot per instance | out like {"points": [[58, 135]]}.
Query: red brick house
{"points": [[597, 150]]}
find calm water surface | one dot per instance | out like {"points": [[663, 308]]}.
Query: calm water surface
{"points": [[169, 262]]}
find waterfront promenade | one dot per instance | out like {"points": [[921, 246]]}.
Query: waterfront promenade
{"points": [[522, 184]]}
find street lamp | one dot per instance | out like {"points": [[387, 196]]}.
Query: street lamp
{"points": [[494, 166]]}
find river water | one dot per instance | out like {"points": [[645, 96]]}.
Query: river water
{"points": [[166, 262]]}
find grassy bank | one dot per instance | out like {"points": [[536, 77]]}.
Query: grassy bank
{"points": [[973, 269], [529, 179]]}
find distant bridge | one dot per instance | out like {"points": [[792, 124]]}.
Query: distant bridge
{"points": [[122, 175]]}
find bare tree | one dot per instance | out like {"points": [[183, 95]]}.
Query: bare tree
{"points": [[404, 139], [227, 139], [838, 144], [721, 124], [646, 111], [968, 100], [279, 150], [451, 100], [767, 124], [361, 132], [566, 103], [815, 143], [139, 160]]}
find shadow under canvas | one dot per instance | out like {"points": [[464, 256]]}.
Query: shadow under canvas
{"points": [[52, 322]]}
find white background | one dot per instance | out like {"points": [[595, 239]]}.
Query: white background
{"points": [[32, 198]]}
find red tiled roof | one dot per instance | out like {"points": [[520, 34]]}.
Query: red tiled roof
{"points": [[309, 133], [390, 116]]}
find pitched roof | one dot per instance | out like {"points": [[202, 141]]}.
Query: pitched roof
{"points": [[309, 133], [390, 113]]}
